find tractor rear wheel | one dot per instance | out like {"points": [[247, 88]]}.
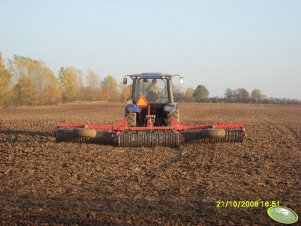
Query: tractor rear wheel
{"points": [[81, 132], [173, 115], [131, 117]]}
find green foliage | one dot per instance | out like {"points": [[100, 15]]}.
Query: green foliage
{"points": [[201, 93]]}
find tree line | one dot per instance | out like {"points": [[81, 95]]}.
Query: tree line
{"points": [[241, 95], [25, 81]]}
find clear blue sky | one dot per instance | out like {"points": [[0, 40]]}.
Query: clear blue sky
{"points": [[221, 44]]}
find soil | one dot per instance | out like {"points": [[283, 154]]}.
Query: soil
{"points": [[43, 182]]}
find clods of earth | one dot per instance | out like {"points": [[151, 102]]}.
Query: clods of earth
{"points": [[43, 182]]}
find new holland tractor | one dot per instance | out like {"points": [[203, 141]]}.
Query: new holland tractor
{"points": [[151, 118]]}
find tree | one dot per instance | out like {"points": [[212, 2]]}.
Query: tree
{"points": [[189, 92], [52, 89], [244, 94], [189, 95], [228, 93], [40, 80], [241, 94], [201, 93], [71, 83], [109, 89], [5, 80], [126, 91], [93, 80], [176, 88], [256, 95], [179, 97], [24, 91], [92, 90]]}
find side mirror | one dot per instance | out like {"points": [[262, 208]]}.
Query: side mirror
{"points": [[125, 80], [181, 80]]}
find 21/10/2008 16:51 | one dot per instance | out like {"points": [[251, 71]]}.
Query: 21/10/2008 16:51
{"points": [[245, 204]]}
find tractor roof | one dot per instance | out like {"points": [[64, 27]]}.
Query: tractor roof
{"points": [[151, 76]]}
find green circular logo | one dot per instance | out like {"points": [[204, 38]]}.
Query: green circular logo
{"points": [[282, 215]]}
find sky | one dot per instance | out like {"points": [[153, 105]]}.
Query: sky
{"points": [[218, 43]]}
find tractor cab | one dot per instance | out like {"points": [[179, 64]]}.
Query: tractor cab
{"points": [[156, 91]]}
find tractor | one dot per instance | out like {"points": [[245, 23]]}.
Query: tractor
{"points": [[151, 102], [151, 118]]}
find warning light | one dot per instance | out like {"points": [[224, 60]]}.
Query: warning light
{"points": [[142, 102]]}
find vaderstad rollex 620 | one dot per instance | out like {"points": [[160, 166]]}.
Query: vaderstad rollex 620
{"points": [[151, 119]]}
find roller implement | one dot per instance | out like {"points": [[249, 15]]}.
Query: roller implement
{"points": [[151, 118]]}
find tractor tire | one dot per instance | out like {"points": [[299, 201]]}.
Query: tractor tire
{"points": [[213, 133], [131, 117], [173, 115], [81, 132]]}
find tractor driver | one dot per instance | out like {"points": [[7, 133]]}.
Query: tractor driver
{"points": [[153, 88], [153, 91]]}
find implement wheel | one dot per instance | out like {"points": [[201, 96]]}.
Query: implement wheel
{"points": [[131, 117], [213, 133], [81, 132], [63, 134]]}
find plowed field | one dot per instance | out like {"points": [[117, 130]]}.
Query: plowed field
{"points": [[44, 182]]}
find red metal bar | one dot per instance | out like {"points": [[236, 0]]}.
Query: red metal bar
{"points": [[228, 126], [121, 126], [175, 125], [70, 125], [101, 127]]}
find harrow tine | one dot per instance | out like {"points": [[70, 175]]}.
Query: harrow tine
{"points": [[149, 139]]}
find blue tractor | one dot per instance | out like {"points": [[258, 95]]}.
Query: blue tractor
{"points": [[157, 105]]}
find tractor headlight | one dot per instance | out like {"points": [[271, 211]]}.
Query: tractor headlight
{"points": [[181, 80]]}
